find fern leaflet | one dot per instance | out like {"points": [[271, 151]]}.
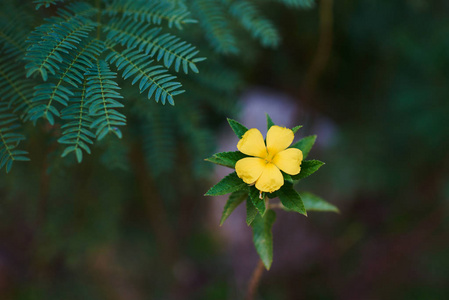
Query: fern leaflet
{"points": [[76, 132], [148, 39], [45, 3], [153, 78], [214, 22], [9, 139], [74, 65], [46, 56], [153, 12], [251, 19], [13, 86], [298, 3], [102, 94]]}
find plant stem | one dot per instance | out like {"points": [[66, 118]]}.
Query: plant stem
{"points": [[324, 48], [255, 280]]}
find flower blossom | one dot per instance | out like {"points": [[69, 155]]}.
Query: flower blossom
{"points": [[264, 168]]}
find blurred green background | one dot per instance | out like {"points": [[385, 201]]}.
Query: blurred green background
{"points": [[379, 105]]}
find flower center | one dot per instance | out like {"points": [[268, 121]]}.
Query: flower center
{"points": [[269, 157]]}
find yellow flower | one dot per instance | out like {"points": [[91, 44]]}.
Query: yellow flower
{"points": [[264, 168]]}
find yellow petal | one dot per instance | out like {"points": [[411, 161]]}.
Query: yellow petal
{"points": [[270, 180], [249, 169], [289, 160], [252, 143], [278, 139]]}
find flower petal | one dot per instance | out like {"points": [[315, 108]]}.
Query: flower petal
{"points": [[289, 160], [278, 139], [249, 169], [252, 143], [271, 179]]}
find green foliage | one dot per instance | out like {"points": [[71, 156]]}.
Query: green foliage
{"points": [[229, 184], [102, 96], [291, 199], [305, 144], [263, 238], [235, 199], [238, 128], [227, 159], [258, 212], [149, 40], [9, 139], [77, 133], [46, 3], [308, 167], [251, 211], [252, 20], [212, 18], [55, 71], [269, 122], [315, 203], [298, 3]]}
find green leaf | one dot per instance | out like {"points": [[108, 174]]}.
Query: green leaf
{"points": [[234, 200], [296, 128], [315, 203], [238, 128], [269, 122], [305, 144], [229, 184], [263, 238], [287, 177], [308, 167], [251, 211], [254, 194], [227, 159], [291, 199]]}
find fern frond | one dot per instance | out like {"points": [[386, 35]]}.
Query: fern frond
{"points": [[73, 67], [298, 3], [76, 132], [45, 3], [214, 22], [149, 40], [14, 88], [154, 78], [153, 12], [9, 139], [252, 20], [78, 10], [102, 94], [45, 56], [12, 38]]}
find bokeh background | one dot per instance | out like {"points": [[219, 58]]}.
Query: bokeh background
{"points": [[370, 78]]}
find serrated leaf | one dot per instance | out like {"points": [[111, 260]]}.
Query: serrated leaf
{"points": [[229, 184], [227, 159], [263, 238], [315, 203], [308, 167], [254, 195], [234, 200], [269, 122], [291, 199], [251, 211], [238, 128], [305, 145]]}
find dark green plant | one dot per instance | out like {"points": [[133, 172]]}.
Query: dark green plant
{"points": [[259, 211], [69, 70]]}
